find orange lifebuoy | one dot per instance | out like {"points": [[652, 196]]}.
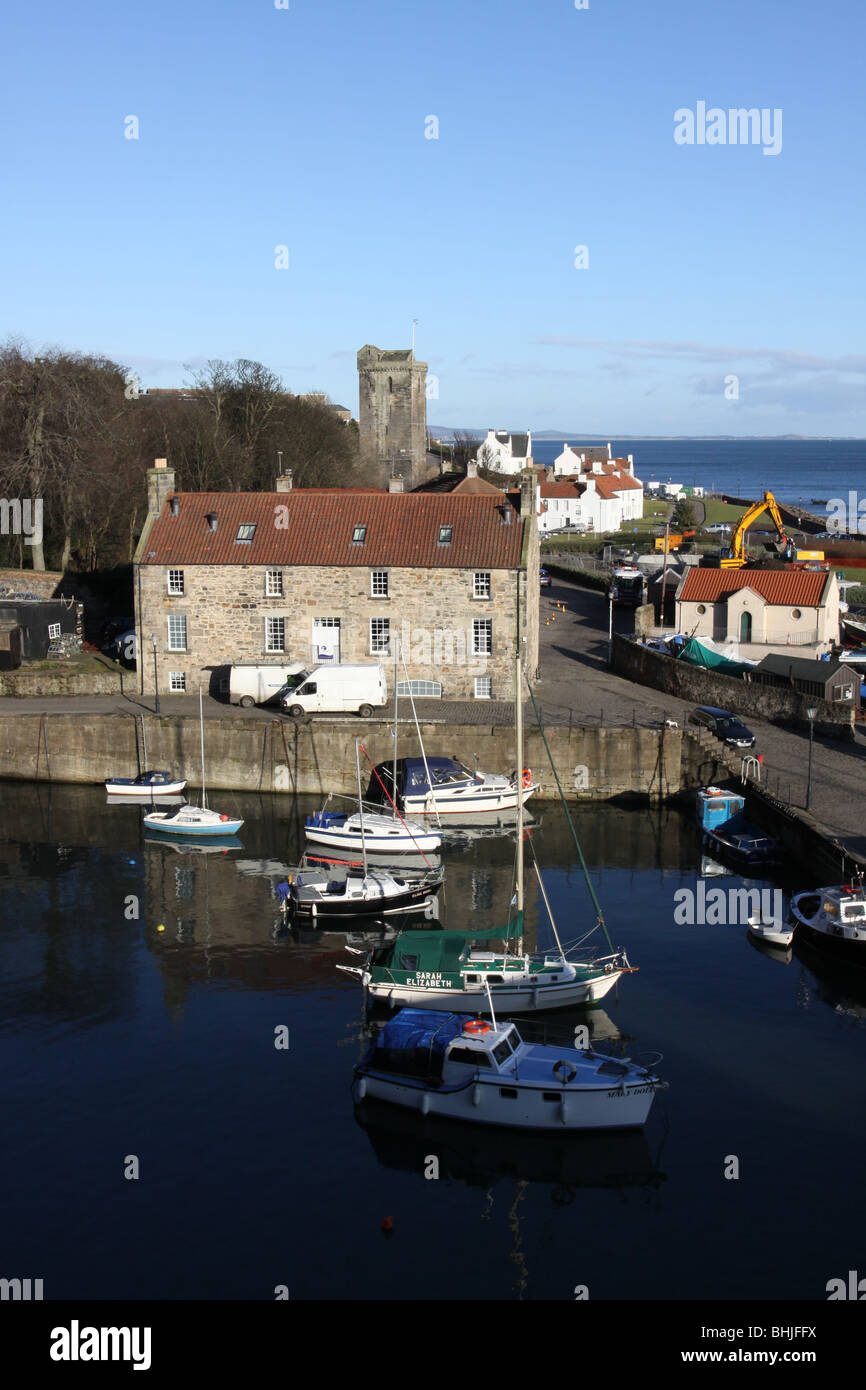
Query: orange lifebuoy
{"points": [[223, 817], [527, 777], [476, 1025]]}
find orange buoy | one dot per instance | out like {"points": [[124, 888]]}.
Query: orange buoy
{"points": [[476, 1025], [387, 1224], [527, 777]]}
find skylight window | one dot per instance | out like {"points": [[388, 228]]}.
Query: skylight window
{"points": [[446, 535], [246, 531], [359, 535]]}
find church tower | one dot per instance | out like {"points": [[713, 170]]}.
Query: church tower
{"points": [[392, 413]]}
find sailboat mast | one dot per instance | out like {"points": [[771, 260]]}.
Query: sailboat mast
{"points": [[394, 773], [143, 746], [518, 706], [201, 726], [360, 808]]}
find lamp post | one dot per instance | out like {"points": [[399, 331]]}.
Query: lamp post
{"points": [[155, 677], [811, 712]]}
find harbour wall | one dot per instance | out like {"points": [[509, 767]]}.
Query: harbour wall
{"points": [[318, 756]]}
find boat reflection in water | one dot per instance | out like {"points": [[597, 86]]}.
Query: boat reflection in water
{"points": [[192, 844], [783, 954], [842, 987], [481, 1155]]}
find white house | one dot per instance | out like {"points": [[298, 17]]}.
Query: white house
{"points": [[593, 502], [505, 453]]}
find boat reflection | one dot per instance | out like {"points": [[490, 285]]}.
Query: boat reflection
{"points": [[155, 802], [481, 1155], [783, 954], [839, 985], [190, 844]]}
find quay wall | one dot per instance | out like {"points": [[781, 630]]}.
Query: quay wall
{"points": [[782, 706], [318, 756]]}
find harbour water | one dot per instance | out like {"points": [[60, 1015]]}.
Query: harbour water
{"points": [[143, 986], [794, 470]]}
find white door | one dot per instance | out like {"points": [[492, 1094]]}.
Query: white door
{"points": [[326, 640]]}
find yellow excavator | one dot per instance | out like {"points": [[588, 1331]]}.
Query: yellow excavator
{"points": [[735, 557]]}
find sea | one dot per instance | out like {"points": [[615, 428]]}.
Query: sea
{"points": [[806, 472], [176, 1070]]}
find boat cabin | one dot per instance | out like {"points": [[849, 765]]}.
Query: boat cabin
{"points": [[412, 779], [717, 807], [421, 1043]]}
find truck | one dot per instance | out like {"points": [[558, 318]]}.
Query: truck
{"points": [[252, 684], [338, 689]]}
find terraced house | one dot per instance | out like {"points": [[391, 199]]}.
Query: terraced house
{"points": [[335, 575]]}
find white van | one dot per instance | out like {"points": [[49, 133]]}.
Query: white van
{"points": [[337, 689], [258, 685]]}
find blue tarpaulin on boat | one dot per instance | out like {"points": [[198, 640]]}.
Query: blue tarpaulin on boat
{"points": [[420, 1028]]}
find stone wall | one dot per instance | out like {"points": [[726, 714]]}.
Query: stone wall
{"points": [[742, 697], [59, 681], [319, 756], [431, 610], [44, 583]]}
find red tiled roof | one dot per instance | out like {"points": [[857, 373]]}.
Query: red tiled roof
{"points": [[402, 530], [794, 588], [566, 487]]}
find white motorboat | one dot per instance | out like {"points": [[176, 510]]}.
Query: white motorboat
{"points": [[462, 1068], [146, 785], [446, 787], [194, 820]]}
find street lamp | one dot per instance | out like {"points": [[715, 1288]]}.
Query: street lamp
{"points": [[811, 712], [155, 678]]}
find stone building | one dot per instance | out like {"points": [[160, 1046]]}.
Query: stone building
{"points": [[786, 608], [335, 574], [392, 413]]}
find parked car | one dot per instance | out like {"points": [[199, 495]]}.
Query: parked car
{"points": [[124, 648], [726, 726], [544, 578], [718, 528]]}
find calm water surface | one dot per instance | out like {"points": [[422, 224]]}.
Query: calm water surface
{"points": [[119, 1039]]}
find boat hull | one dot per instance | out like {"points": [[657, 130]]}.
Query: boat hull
{"points": [[118, 787], [468, 802], [842, 949], [228, 827], [505, 999], [375, 844], [414, 899], [490, 1102]]}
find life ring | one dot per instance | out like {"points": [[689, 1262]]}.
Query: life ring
{"points": [[223, 817], [527, 777], [476, 1025], [568, 1072]]}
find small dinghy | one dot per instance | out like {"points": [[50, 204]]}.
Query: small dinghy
{"points": [[463, 1068], [774, 933], [146, 784]]}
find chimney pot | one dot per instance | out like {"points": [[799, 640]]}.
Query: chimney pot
{"points": [[174, 504], [211, 520], [395, 483], [284, 481], [160, 463]]}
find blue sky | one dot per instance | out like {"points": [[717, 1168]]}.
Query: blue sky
{"points": [[305, 127]]}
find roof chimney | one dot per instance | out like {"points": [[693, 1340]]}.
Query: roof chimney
{"points": [[160, 485], [472, 468], [211, 519], [395, 483], [284, 481]]}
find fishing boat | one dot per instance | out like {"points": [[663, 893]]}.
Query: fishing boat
{"points": [[463, 1068], [834, 920], [326, 891], [725, 828], [194, 820], [146, 784]]}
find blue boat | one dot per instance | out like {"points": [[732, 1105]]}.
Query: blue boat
{"points": [[724, 826]]}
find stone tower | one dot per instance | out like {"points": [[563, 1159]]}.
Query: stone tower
{"points": [[393, 413]]}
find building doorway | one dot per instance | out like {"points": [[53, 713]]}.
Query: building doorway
{"points": [[745, 626], [326, 640]]}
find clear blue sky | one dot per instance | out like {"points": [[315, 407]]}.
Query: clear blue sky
{"points": [[305, 127]]}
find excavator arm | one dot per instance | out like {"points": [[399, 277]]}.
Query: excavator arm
{"points": [[736, 556]]}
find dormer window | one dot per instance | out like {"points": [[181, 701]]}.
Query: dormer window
{"points": [[246, 531], [359, 535], [446, 535]]}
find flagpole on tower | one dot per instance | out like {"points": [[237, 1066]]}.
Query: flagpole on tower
{"points": [[414, 321]]}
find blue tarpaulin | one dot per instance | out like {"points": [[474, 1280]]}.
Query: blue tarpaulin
{"points": [[420, 1028]]}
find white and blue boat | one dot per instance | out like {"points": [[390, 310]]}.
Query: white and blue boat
{"points": [[725, 828], [463, 1068], [383, 835], [146, 785]]}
